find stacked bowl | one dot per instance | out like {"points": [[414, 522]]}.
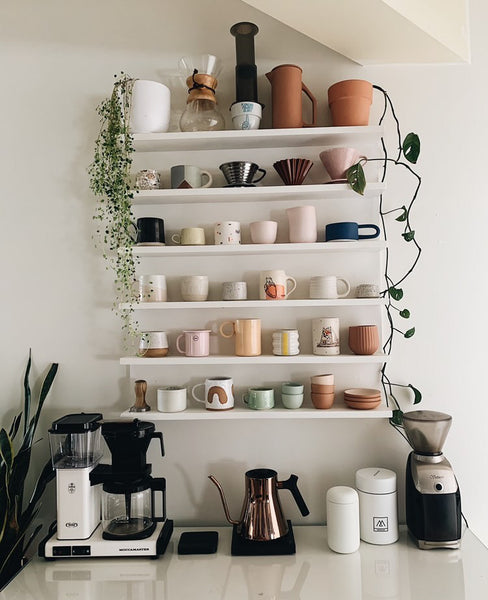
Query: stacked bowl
{"points": [[323, 390], [362, 398]]}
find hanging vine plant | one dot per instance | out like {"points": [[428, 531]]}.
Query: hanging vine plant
{"points": [[407, 154], [110, 182]]}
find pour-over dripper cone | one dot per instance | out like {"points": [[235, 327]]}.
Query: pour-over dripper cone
{"points": [[426, 430]]}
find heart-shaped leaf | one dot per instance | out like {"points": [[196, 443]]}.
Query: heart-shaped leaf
{"points": [[411, 147], [356, 179], [409, 333], [397, 417], [405, 313], [408, 236], [395, 293], [417, 395], [403, 216]]}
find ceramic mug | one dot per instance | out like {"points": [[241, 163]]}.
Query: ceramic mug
{"points": [[263, 232], [302, 222], [326, 336], [259, 398], [196, 342], [171, 398], [152, 288], [219, 393], [285, 342], [234, 290], [246, 115], [273, 285], [189, 176], [227, 233], [190, 236], [153, 344], [150, 107], [348, 231], [326, 286], [248, 336], [194, 288], [150, 231]]}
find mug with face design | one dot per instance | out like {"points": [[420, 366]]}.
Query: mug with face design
{"points": [[219, 393], [325, 336], [273, 285]]}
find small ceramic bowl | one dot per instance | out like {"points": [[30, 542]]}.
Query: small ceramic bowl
{"points": [[327, 379], [322, 400], [292, 400], [317, 388]]}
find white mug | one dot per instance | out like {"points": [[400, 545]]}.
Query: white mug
{"points": [[326, 336], [302, 222], [152, 288], [153, 344], [219, 393], [285, 342], [326, 286], [150, 107], [227, 233], [171, 398], [273, 285], [194, 288]]}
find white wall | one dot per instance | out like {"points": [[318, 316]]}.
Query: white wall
{"points": [[57, 63]]}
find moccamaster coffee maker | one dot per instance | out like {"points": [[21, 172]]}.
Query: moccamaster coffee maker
{"points": [[433, 500], [123, 491]]}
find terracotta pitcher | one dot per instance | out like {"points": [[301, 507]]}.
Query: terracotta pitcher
{"points": [[286, 97]]}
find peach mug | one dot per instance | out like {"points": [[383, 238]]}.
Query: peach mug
{"points": [[248, 336]]}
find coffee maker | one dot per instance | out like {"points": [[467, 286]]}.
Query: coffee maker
{"points": [[105, 509], [433, 500]]}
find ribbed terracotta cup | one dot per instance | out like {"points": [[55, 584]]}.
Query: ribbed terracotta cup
{"points": [[364, 339], [350, 102]]}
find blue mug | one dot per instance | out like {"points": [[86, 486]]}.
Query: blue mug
{"points": [[349, 231]]}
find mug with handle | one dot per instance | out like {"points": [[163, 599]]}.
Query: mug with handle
{"points": [[347, 231], [248, 336], [259, 398], [219, 393], [196, 342], [273, 285]]}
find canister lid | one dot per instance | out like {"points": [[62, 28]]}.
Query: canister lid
{"points": [[341, 494], [375, 480]]}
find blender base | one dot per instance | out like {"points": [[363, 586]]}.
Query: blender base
{"points": [[283, 545], [95, 546]]}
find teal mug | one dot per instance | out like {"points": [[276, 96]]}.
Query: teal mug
{"points": [[259, 398]]}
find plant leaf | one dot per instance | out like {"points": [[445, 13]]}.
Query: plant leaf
{"points": [[395, 293], [408, 235], [403, 216], [417, 395], [405, 313], [27, 393], [411, 147], [409, 333], [356, 179], [6, 451], [397, 417]]}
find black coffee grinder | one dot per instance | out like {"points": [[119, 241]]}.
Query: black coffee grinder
{"points": [[433, 500]]}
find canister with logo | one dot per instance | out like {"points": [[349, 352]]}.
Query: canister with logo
{"points": [[377, 505]]}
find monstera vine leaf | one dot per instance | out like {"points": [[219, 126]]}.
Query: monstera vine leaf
{"points": [[356, 178], [411, 147]]}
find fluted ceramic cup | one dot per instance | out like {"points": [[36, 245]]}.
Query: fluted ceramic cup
{"points": [[364, 339]]}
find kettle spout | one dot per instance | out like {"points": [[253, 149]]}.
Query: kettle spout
{"points": [[224, 502]]}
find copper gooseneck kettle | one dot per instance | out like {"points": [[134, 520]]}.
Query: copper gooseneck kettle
{"points": [[262, 517]]}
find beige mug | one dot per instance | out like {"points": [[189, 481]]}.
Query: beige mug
{"points": [[248, 336], [190, 236]]}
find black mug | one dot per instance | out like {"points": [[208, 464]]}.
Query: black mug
{"points": [[150, 230]]}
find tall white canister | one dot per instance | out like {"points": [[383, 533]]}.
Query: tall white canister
{"points": [[342, 519], [378, 514]]}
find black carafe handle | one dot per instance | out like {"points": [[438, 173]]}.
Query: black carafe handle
{"points": [[159, 435], [158, 484], [291, 484]]}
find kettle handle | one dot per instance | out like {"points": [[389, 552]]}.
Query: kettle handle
{"points": [[158, 484], [314, 106], [291, 484]]}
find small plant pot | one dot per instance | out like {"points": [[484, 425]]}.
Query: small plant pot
{"points": [[350, 102], [364, 339]]}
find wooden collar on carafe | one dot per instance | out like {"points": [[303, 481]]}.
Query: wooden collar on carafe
{"points": [[201, 87]]}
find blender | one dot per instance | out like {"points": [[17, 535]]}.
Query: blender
{"points": [[116, 513], [433, 500]]}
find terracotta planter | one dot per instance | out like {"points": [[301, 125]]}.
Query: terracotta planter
{"points": [[350, 102], [364, 339]]}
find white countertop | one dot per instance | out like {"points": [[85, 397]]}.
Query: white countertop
{"points": [[395, 572]]}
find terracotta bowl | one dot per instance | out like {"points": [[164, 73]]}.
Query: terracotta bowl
{"points": [[322, 400], [323, 389], [362, 393]]}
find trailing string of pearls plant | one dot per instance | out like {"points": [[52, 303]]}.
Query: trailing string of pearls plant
{"points": [[407, 153]]}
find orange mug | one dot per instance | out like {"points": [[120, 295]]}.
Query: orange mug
{"points": [[248, 336]]}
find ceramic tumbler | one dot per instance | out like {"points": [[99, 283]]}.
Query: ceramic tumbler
{"points": [[302, 222], [194, 288], [263, 232], [153, 344], [364, 339], [171, 398], [152, 288], [326, 336], [247, 333], [234, 290], [227, 233], [285, 342]]}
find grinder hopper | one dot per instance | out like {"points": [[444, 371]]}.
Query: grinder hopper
{"points": [[426, 430]]}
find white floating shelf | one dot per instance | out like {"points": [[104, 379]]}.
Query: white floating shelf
{"points": [[258, 249], [255, 194], [264, 359], [256, 138], [235, 414], [266, 304]]}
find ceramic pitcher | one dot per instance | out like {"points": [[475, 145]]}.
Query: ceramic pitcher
{"points": [[286, 97]]}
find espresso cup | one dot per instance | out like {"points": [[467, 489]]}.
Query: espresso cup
{"points": [[325, 336], [367, 290], [150, 231], [263, 232], [327, 286], [246, 115], [171, 398], [259, 398], [196, 342], [189, 176], [227, 233], [152, 288], [234, 290], [273, 285], [241, 173], [348, 231], [153, 344], [194, 288], [190, 236], [247, 333], [219, 393]]}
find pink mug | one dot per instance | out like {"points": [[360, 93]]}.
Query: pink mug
{"points": [[302, 221], [197, 342]]}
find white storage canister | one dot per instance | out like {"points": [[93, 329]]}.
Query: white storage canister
{"points": [[377, 505], [342, 519]]}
